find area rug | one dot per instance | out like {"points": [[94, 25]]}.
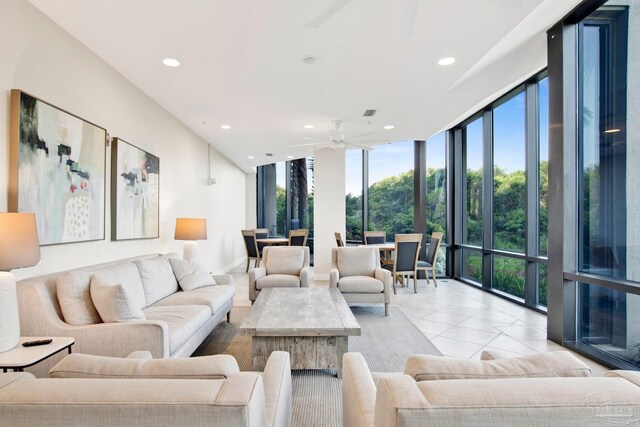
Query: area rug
{"points": [[385, 343]]}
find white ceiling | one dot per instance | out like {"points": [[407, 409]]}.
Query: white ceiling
{"points": [[242, 62]]}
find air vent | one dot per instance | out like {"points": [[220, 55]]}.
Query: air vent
{"points": [[370, 113], [268, 154]]}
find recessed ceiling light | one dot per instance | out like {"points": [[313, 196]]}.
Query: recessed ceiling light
{"points": [[289, 157], [612, 130], [308, 126], [250, 157], [171, 62], [307, 138], [310, 59], [225, 127], [447, 61], [388, 127]]}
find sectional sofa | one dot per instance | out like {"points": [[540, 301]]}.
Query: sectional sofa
{"points": [[173, 322]]}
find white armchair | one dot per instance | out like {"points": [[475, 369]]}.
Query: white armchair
{"points": [[282, 267], [357, 274]]}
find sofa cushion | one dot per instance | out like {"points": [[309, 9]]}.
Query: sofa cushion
{"points": [[158, 280], [74, 297], [278, 281], [285, 260], [553, 364], [128, 276], [360, 261], [214, 297], [79, 365], [114, 302], [191, 274], [360, 284], [183, 321]]}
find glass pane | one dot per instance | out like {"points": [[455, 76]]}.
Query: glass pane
{"points": [[472, 265], [281, 202], [509, 185], [608, 321], [353, 185], [543, 280], [543, 212], [509, 275], [609, 205], [301, 181], [472, 224], [436, 184], [391, 188], [275, 198]]}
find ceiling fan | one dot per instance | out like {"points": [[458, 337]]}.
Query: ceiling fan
{"points": [[407, 10], [337, 140]]}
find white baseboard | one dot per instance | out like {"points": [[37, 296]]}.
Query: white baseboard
{"points": [[233, 265]]}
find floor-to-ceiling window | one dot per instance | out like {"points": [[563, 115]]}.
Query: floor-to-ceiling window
{"points": [[436, 195], [390, 195], [543, 188], [472, 180], [353, 190]]}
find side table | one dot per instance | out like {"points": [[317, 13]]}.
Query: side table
{"points": [[23, 357]]}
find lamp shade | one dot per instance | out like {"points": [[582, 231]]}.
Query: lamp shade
{"points": [[191, 229], [19, 245]]}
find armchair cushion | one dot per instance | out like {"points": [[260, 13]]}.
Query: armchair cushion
{"points": [[360, 261], [278, 281], [191, 274], [78, 365], [553, 364], [360, 284], [284, 260]]}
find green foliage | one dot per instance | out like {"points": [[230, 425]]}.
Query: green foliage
{"points": [[509, 275], [509, 217], [391, 204]]}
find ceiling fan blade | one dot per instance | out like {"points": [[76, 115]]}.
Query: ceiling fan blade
{"points": [[307, 145], [362, 135], [351, 146], [326, 14], [323, 146], [407, 18]]}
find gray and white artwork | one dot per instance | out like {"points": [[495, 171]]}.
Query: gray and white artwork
{"points": [[60, 172]]}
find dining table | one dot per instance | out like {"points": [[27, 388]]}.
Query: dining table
{"points": [[271, 241], [386, 250]]}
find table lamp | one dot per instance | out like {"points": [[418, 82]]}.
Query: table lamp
{"points": [[190, 229], [19, 247]]}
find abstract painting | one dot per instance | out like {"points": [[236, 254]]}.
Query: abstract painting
{"points": [[57, 171], [135, 192]]}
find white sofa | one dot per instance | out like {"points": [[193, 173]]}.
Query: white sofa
{"points": [[177, 322], [102, 391], [552, 389]]}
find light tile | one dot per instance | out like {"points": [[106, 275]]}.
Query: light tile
{"points": [[494, 315], [455, 348], [461, 311], [524, 333], [482, 324], [504, 342], [451, 319], [469, 335], [431, 327]]}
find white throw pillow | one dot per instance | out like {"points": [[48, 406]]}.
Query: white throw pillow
{"points": [[191, 274], [114, 302], [128, 276], [74, 297], [157, 278]]}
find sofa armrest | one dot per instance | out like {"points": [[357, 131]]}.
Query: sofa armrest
{"points": [[305, 273], [334, 276], [278, 389], [140, 355], [255, 274], [10, 377], [358, 392], [223, 279], [394, 394], [385, 277], [631, 376]]}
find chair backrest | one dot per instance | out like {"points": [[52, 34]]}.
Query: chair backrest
{"points": [[250, 243], [407, 251], [374, 237], [339, 241], [285, 259], [434, 246], [262, 233], [298, 237], [355, 261]]}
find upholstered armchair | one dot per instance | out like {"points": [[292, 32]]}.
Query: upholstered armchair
{"points": [[282, 267], [357, 274]]}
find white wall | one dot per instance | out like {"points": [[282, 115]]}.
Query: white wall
{"points": [[329, 207], [252, 201], [43, 60]]}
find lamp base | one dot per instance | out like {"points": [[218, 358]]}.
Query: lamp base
{"points": [[190, 250], [9, 320]]}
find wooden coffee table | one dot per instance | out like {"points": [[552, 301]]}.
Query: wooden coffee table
{"points": [[312, 324]]}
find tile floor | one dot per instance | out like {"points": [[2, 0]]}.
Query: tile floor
{"points": [[460, 320]]}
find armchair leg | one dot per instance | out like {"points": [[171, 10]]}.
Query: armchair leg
{"points": [[248, 263], [394, 286], [229, 316], [386, 309]]}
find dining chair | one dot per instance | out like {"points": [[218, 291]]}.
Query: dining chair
{"points": [[339, 241], [261, 233], [374, 237], [251, 246], [432, 253], [298, 237], [405, 262]]}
